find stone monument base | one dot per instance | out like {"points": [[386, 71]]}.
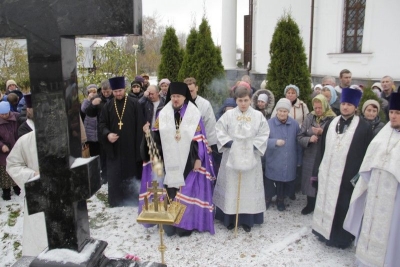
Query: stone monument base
{"points": [[90, 256]]}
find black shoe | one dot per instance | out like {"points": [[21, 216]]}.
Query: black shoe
{"points": [[293, 197], [307, 210], [280, 205], [17, 190], [246, 228], [230, 226], [310, 206], [6, 194], [184, 233]]}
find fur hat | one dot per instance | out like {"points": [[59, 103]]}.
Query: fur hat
{"points": [[28, 100], [352, 96], [4, 107], [117, 83], [394, 103], [263, 97], [371, 102], [283, 103], [292, 86], [10, 82]]}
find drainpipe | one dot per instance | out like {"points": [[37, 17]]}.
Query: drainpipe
{"points": [[311, 36]]}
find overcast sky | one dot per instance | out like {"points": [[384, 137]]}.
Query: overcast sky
{"points": [[181, 13]]}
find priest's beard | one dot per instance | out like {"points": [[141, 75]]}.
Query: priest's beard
{"points": [[177, 108]]}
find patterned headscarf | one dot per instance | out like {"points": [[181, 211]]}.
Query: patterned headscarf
{"points": [[326, 108]]}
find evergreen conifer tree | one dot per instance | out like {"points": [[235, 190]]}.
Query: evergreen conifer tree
{"points": [[288, 61], [171, 56], [207, 69], [188, 64]]}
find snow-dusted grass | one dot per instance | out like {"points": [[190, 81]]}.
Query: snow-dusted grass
{"points": [[285, 238]]}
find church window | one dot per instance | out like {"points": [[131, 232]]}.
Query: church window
{"points": [[353, 25]]}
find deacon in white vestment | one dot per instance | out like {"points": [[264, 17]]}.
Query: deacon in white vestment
{"points": [[343, 145], [242, 135], [22, 165], [374, 212]]}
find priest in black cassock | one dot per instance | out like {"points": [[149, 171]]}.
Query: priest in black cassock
{"points": [[121, 123], [344, 143]]}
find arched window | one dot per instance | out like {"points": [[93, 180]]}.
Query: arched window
{"points": [[353, 25]]}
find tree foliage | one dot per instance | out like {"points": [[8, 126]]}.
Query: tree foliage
{"points": [[13, 64], [171, 56], [288, 60], [208, 68], [109, 61], [188, 65]]}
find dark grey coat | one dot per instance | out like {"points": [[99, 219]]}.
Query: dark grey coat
{"points": [[309, 151]]}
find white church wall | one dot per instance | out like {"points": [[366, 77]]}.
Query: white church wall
{"points": [[380, 54]]}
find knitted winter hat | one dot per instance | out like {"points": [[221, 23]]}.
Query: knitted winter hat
{"points": [[292, 86], [371, 102], [283, 103]]}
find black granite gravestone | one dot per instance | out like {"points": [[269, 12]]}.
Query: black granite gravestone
{"points": [[50, 28]]}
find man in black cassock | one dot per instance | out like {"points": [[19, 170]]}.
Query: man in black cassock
{"points": [[121, 123], [343, 145]]}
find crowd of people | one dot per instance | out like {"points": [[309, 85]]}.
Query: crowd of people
{"points": [[255, 153]]}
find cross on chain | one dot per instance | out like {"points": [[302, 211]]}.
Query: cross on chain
{"points": [[120, 125], [50, 28]]}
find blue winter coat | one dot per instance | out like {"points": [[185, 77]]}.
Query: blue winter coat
{"points": [[281, 162]]}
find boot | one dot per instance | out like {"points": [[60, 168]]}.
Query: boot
{"points": [[280, 204], [310, 206], [6, 194], [17, 190]]}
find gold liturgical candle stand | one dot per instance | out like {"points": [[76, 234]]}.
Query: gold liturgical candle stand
{"points": [[160, 212]]}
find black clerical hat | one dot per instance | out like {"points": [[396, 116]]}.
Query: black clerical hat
{"points": [[179, 88], [117, 83], [394, 103], [352, 96], [28, 100]]}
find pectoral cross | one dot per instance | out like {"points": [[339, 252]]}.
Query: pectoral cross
{"points": [[120, 125], [155, 190]]}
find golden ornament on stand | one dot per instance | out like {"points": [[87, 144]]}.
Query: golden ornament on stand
{"points": [[161, 210]]}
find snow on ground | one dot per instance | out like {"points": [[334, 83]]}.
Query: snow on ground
{"points": [[285, 238]]}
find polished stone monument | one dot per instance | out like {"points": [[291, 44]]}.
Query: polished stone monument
{"points": [[65, 183]]}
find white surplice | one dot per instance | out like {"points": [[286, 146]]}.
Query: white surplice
{"points": [[22, 163], [178, 151], [374, 212], [249, 132], [330, 175]]}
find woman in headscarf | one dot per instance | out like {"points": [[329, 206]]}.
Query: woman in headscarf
{"points": [[308, 138], [334, 101]]}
